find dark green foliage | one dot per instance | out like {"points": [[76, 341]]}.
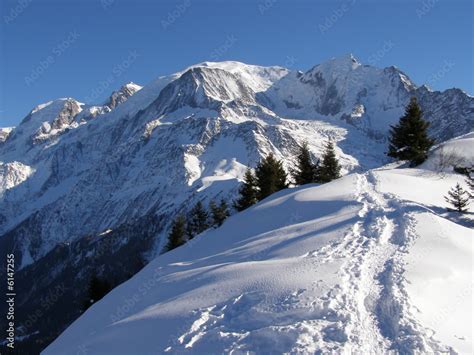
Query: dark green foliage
{"points": [[409, 138], [462, 170], [305, 171], [219, 212], [271, 177], [329, 168], [248, 192], [458, 198], [199, 220], [97, 290], [177, 235]]}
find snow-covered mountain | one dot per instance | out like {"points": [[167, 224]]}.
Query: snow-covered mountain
{"points": [[92, 167], [4, 132], [365, 264], [69, 172]]}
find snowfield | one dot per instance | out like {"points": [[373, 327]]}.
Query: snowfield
{"points": [[368, 263], [365, 264]]}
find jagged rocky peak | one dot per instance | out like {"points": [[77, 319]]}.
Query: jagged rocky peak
{"points": [[202, 87], [344, 62], [338, 66], [4, 133], [257, 77], [218, 84], [54, 118], [120, 96], [51, 115], [51, 110], [398, 77]]}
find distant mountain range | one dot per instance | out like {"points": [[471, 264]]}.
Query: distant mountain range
{"points": [[75, 177]]}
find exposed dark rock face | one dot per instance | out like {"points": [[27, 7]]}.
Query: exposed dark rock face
{"points": [[71, 172]]}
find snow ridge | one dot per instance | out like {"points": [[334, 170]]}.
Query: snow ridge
{"points": [[70, 171], [329, 278]]}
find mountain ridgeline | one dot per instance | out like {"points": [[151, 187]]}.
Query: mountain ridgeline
{"points": [[74, 176]]}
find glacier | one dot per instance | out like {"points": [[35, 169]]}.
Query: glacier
{"points": [[71, 171]]}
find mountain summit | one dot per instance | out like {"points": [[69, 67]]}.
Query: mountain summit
{"points": [[83, 185]]}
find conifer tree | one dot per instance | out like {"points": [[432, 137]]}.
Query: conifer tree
{"points": [[329, 168], [97, 289], [177, 235], [409, 138], [271, 176], [248, 192], [219, 212], [458, 198], [305, 171], [199, 220]]}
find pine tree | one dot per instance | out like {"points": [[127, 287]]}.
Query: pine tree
{"points": [[199, 220], [305, 171], [97, 289], [409, 138], [329, 169], [219, 213], [271, 176], [458, 198], [248, 192], [177, 235]]}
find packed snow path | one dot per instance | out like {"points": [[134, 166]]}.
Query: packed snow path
{"points": [[326, 269], [372, 292]]}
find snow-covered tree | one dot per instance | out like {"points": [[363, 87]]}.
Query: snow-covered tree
{"points": [[458, 198], [409, 139]]}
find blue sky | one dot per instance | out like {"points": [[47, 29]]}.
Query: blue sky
{"points": [[86, 49]]}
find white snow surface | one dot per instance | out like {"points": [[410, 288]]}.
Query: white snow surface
{"points": [[4, 133], [365, 264], [257, 77], [458, 151]]}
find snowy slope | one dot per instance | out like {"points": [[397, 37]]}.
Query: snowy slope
{"points": [[70, 171], [456, 152], [177, 128], [201, 126], [362, 264]]}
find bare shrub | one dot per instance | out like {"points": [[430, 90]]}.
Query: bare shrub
{"points": [[447, 159]]}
